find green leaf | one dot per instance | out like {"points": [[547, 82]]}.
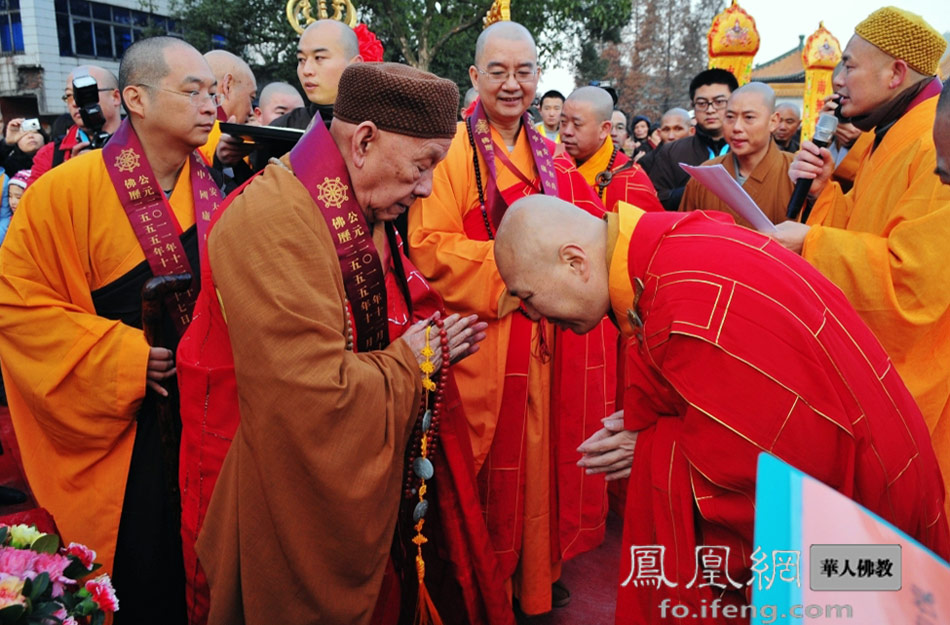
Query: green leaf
{"points": [[11, 613], [47, 543], [27, 588], [40, 585], [86, 607]]}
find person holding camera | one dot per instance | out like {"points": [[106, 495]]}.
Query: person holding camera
{"points": [[88, 87], [22, 138]]}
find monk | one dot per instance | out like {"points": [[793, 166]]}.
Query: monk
{"points": [[585, 134], [323, 325], [737, 347], [754, 159], [884, 242], [941, 134], [83, 383], [530, 389], [277, 99], [238, 89], [675, 124]]}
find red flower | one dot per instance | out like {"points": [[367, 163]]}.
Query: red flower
{"points": [[86, 555], [370, 48], [103, 593]]}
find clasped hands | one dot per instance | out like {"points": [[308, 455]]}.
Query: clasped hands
{"points": [[609, 450], [464, 335]]}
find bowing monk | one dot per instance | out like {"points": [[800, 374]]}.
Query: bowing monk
{"points": [[83, 383], [585, 134], [530, 389], [312, 310], [737, 347], [884, 242]]}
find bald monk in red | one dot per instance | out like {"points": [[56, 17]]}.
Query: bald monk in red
{"points": [[530, 389], [585, 135], [737, 347], [83, 383], [306, 353]]}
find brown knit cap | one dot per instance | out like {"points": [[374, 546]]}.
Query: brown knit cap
{"points": [[399, 99]]}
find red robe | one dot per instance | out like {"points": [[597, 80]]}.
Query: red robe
{"points": [[746, 348]]}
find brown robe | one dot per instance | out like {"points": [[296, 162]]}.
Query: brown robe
{"points": [[768, 185], [301, 520]]}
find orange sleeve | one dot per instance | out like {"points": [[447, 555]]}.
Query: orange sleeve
{"points": [[461, 269], [54, 347]]}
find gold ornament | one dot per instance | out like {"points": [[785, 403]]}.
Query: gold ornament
{"points": [[500, 11], [733, 41], [300, 13]]}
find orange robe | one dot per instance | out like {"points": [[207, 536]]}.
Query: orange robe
{"points": [[743, 348], [462, 268], [631, 185], [884, 244], [207, 150], [75, 380]]}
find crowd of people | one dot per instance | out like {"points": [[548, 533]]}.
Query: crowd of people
{"points": [[388, 374]]}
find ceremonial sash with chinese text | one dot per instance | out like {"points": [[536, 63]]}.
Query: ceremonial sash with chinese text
{"points": [[317, 164], [151, 216], [481, 131]]}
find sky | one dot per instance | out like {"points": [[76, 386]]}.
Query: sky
{"points": [[780, 22]]}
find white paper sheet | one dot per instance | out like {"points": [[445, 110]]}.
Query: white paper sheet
{"points": [[717, 179]]}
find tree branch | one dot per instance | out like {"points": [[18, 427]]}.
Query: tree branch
{"points": [[480, 10]]}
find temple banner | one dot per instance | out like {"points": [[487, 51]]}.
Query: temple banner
{"points": [[733, 41], [820, 55]]}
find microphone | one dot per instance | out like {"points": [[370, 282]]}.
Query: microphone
{"points": [[824, 134]]}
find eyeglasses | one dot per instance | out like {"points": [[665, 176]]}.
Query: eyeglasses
{"points": [[197, 98], [522, 74], [68, 97], [703, 104]]}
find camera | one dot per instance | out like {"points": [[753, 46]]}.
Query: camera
{"points": [[30, 125], [86, 97]]}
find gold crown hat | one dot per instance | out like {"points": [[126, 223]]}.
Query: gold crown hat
{"points": [[906, 36]]}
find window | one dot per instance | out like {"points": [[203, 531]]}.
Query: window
{"points": [[11, 30], [101, 30]]}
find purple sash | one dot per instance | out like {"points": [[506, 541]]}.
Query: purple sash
{"points": [[151, 216], [317, 164], [543, 162]]}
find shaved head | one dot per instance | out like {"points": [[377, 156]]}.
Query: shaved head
{"points": [[675, 124], [223, 62], [507, 31], [760, 89], [104, 78], [601, 104], [552, 255], [144, 61], [277, 98], [236, 83], [331, 31], [277, 89], [788, 107]]}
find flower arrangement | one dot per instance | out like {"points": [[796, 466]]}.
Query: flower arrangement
{"points": [[39, 581], [370, 47]]}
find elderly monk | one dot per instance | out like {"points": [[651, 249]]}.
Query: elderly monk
{"points": [[788, 127], [675, 124], [530, 389], [738, 347], [76, 139], [942, 135], [585, 134], [238, 89], [83, 383], [753, 159], [277, 98], [326, 324], [884, 242]]}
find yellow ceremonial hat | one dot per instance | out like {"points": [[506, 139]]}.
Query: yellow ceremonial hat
{"points": [[906, 36]]}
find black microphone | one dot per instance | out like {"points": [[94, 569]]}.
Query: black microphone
{"points": [[824, 134]]}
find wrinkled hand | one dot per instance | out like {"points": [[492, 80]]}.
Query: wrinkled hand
{"points": [[232, 150], [13, 131], [791, 235], [463, 333], [609, 450], [814, 164], [161, 366], [79, 148]]}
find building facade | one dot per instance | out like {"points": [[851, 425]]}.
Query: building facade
{"points": [[41, 41]]}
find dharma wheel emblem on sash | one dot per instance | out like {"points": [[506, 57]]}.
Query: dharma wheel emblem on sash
{"points": [[332, 192], [127, 160], [481, 127]]}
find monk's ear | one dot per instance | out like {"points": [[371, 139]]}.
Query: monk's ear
{"points": [[473, 75], [773, 122], [692, 130], [605, 129], [898, 73], [226, 84], [574, 256], [364, 138], [135, 97]]}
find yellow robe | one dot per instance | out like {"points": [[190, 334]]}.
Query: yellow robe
{"points": [[885, 244], [74, 380], [464, 273], [207, 150]]}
